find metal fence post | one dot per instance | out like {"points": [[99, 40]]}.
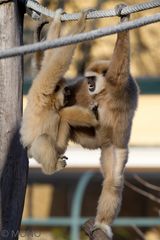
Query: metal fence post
{"points": [[77, 203]]}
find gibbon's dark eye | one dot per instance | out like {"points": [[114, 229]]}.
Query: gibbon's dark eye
{"points": [[57, 88]]}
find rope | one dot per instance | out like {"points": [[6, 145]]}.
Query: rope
{"points": [[95, 14], [30, 48]]}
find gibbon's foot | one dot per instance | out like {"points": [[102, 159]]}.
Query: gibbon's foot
{"points": [[97, 234], [118, 10], [61, 164], [51, 168], [63, 157], [104, 227], [94, 108]]}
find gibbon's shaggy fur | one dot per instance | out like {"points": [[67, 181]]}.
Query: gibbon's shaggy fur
{"points": [[109, 88], [38, 56], [46, 99], [113, 93]]}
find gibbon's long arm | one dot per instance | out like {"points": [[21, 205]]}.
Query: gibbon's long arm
{"points": [[53, 33], [38, 56], [41, 57], [118, 71], [54, 66]]}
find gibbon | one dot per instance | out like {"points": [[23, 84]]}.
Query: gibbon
{"points": [[38, 56], [46, 100], [113, 93]]}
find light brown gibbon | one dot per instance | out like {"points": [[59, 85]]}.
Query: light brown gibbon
{"points": [[46, 99], [109, 86]]}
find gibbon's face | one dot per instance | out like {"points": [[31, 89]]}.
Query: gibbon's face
{"points": [[96, 82]]}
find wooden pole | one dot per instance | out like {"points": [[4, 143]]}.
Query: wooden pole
{"points": [[13, 159]]}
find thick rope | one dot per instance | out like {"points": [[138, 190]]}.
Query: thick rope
{"points": [[95, 14], [30, 48]]}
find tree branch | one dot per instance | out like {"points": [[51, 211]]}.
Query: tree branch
{"points": [[142, 192], [146, 184], [139, 232]]}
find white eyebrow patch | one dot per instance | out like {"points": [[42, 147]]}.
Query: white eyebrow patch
{"points": [[91, 74]]}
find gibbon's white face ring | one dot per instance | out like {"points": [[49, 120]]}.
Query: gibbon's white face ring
{"points": [[96, 82]]}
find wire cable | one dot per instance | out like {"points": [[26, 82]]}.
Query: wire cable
{"points": [[30, 48], [31, 4]]}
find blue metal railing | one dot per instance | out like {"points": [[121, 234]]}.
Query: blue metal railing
{"points": [[77, 203], [67, 221]]}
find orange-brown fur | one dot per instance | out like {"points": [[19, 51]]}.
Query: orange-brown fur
{"points": [[41, 120]]}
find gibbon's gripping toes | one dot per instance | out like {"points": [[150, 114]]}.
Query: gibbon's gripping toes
{"points": [[112, 91], [46, 99]]}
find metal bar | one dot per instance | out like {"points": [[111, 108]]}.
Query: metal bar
{"points": [[67, 221], [77, 203], [138, 221], [48, 222]]}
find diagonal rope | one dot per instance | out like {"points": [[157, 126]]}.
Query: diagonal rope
{"points": [[30, 48], [95, 14]]}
